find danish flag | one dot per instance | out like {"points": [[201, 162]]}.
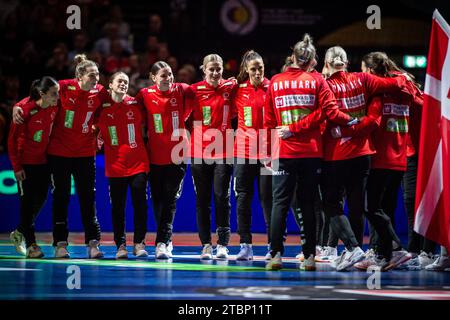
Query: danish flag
{"points": [[432, 218]]}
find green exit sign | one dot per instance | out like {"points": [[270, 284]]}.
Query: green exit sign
{"points": [[414, 61]]}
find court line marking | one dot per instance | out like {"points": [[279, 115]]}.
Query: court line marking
{"points": [[18, 269]]}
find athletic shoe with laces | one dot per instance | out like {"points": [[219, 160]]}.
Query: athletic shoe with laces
{"points": [[170, 249], [139, 250], [122, 252], [412, 264], [222, 252], [206, 252], [246, 252], [275, 262], [425, 259], [93, 251], [34, 252], [300, 257], [442, 263], [161, 251], [268, 256], [371, 261], [308, 264], [61, 250], [18, 240], [338, 260], [327, 254], [350, 258], [398, 257]]}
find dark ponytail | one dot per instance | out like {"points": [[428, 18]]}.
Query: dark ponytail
{"points": [[247, 57], [41, 85], [383, 66]]}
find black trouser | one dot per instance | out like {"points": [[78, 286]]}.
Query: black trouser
{"points": [[388, 184], [244, 178], [416, 242], [118, 189], [382, 181], [305, 173], [33, 194], [166, 183], [345, 179], [83, 172], [322, 224], [206, 177]]}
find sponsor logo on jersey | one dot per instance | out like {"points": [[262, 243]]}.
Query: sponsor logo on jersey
{"points": [[94, 91], [201, 87], [352, 102], [151, 90], [33, 112], [106, 105], [226, 95], [72, 88], [131, 102], [243, 85], [395, 109], [173, 102], [72, 100], [130, 115], [292, 100]]}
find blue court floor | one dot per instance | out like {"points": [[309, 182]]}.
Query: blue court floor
{"points": [[185, 277]]}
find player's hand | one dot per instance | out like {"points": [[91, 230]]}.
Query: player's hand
{"points": [[20, 175], [17, 115], [284, 132]]}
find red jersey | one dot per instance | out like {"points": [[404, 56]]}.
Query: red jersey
{"points": [[165, 116], [301, 100], [27, 142], [120, 127], [390, 138], [211, 108], [249, 104], [72, 134], [352, 92]]}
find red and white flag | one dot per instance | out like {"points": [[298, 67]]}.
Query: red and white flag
{"points": [[432, 218]]}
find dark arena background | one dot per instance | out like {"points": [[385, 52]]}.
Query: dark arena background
{"points": [[40, 38]]}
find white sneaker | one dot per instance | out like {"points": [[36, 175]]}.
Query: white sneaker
{"points": [[61, 250], [122, 252], [371, 261], [338, 260], [222, 252], [425, 259], [350, 258], [246, 252], [319, 250], [93, 251], [206, 252], [170, 249], [34, 252], [275, 262], [18, 240], [139, 250], [300, 257], [161, 251], [327, 254], [268, 256], [308, 264], [441, 264], [398, 257]]}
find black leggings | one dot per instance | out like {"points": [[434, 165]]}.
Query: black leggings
{"points": [[33, 194], [244, 178], [118, 188]]}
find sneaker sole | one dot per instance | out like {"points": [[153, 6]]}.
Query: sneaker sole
{"points": [[274, 267], [350, 265], [19, 249], [245, 259], [395, 264], [141, 255]]}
